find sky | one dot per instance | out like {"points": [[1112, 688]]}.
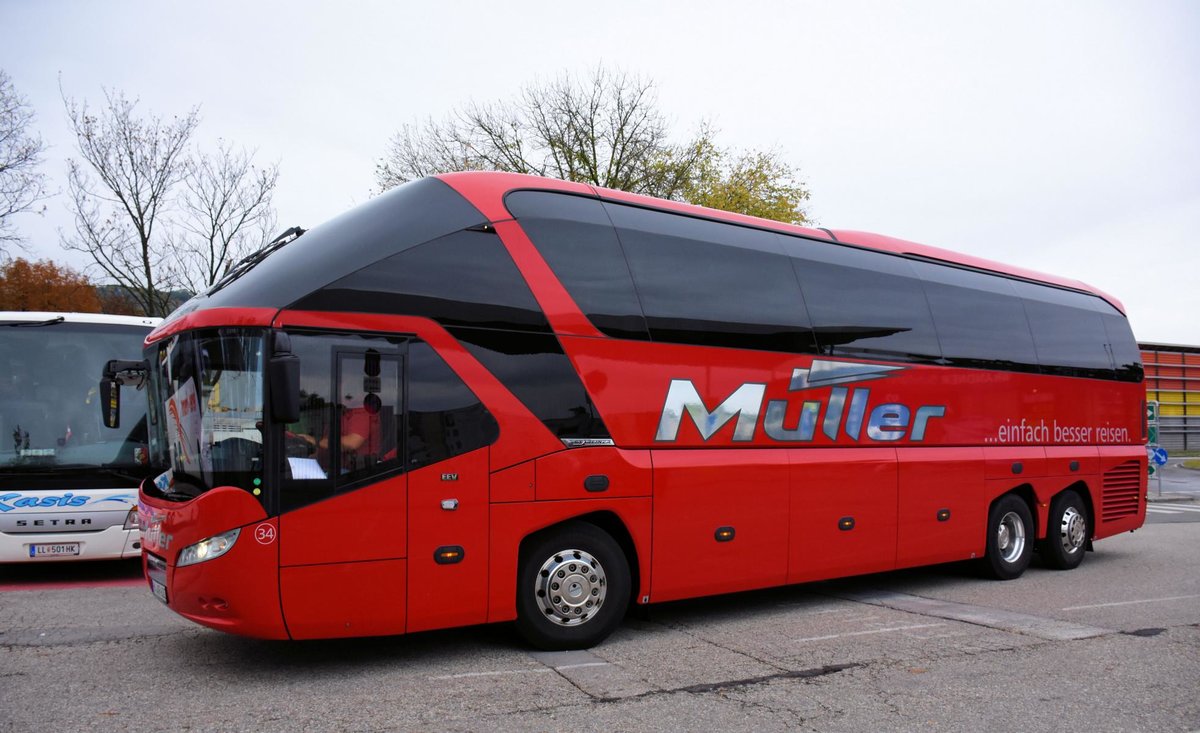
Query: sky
{"points": [[1057, 136]]}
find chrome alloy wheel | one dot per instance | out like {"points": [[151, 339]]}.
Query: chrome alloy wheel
{"points": [[1073, 530], [1010, 537], [570, 587]]}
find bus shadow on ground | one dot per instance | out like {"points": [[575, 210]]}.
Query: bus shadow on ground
{"points": [[30, 575], [447, 647]]}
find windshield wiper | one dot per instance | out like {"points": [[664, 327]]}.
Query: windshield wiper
{"points": [[247, 263], [23, 324]]}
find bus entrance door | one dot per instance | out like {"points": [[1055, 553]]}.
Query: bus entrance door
{"points": [[448, 543]]}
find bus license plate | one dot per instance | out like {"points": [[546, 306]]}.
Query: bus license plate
{"points": [[58, 550], [159, 590]]}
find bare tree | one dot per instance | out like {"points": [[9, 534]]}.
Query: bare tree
{"points": [[604, 130], [22, 187], [225, 212], [155, 214]]}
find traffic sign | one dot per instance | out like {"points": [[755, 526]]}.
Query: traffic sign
{"points": [[1152, 412], [1158, 456], [1153, 435], [1151, 469]]}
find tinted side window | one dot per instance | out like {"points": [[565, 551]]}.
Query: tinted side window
{"points": [[863, 303], [1125, 352], [702, 282], [537, 371], [577, 240], [980, 320], [465, 278], [401, 218], [445, 418], [1067, 331]]}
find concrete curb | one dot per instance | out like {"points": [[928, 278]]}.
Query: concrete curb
{"points": [[1171, 498]]}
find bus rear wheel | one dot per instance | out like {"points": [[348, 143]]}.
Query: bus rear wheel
{"points": [[572, 588], [1066, 533], [1009, 538]]}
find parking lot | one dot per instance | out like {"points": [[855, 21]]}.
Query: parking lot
{"points": [[1114, 645]]}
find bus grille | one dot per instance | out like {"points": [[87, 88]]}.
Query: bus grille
{"points": [[1122, 484]]}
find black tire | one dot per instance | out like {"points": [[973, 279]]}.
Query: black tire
{"points": [[1067, 531], [576, 558], [1010, 538]]}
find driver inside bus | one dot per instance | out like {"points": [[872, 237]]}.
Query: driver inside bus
{"points": [[361, 440]]}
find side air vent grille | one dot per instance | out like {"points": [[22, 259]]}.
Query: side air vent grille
{"points": [[1122, 485]]}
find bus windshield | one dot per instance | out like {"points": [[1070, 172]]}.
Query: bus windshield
{"points": [[206, 411], [49, 398]]}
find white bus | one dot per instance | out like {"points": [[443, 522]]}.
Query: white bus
{"points": [[68, 484]]}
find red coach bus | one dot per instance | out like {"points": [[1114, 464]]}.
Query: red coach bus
{"points": [[483, 397]]}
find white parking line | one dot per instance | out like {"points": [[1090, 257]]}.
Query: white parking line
{"points": [[490, 674], [1179, 508], [1130, 603], [585, 664], [871, 631], [1160, 510]]}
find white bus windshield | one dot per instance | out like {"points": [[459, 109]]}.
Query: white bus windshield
{"points": [[50, 416]]}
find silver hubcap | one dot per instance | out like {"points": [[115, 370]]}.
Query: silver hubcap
{"points": [[570, 587], [1010, 538], [1073, 530]]}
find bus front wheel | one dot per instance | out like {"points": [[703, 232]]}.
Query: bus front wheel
{"points": [[1067, 532], [572, 588], [1009, 538]]}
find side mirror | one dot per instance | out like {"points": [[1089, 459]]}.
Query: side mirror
{"points": [[283, 378], [116, 373]]}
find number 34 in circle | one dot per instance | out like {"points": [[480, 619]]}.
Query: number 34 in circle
{"points": [[264, 533]]}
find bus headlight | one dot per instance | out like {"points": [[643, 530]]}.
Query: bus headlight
{"points": [[209, 548], [131, 519]]}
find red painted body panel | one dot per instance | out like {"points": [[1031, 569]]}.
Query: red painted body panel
{"points": [[629, 383], [561, 475], [168, 527], [344, 599], [1059, 459], [237, 592], [515, 483], [933, 479], [212, 318], [448, 595], [698, 491], [377, 514], [486, 192], [828, 485]]}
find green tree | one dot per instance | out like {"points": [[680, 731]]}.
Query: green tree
{"points": [[605, 130]]}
